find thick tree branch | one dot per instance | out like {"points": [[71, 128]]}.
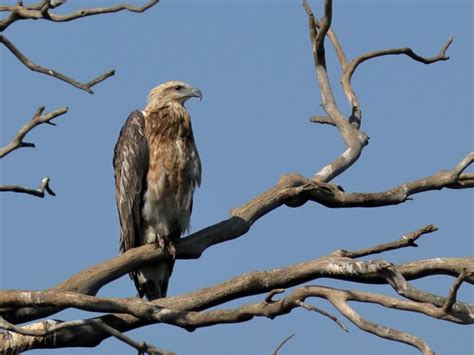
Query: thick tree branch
{"points": [[28, 336], [295, 190], [191, 316], [39, 192], [354, 139], [37, 119], [89, 281], [50, 72]]}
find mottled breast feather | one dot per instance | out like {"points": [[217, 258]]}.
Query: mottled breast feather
{"points": [[174, 171], [157, 168], [131, 167]]}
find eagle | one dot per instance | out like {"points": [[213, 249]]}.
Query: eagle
{"points": [[157, 168]]}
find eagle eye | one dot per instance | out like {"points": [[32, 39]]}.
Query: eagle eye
{"points": [[178, 87]]}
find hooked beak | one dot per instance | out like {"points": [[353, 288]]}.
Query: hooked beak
{"points": [[194, 92]]}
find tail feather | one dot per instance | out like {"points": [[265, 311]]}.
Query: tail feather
{"points": [[152, 281]]}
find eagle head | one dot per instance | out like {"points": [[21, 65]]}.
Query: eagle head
{"points": [[171, 92]]}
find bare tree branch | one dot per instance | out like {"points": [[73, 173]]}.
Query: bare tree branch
{"points": [[397, 51], [41, 11], [282, 343], [50, 72], [295, 190], [408, 240], [312, 308], [397, 280], [249, 284], [354, 139], [191, 311], [322, 120], [47, 328], [39, 192], [142, 347], [377, 329], [451, 300], [37, 119], [188, 313]]}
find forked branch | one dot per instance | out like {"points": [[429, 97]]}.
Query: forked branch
{"points": [[295, 190], [441, 56], [41, 10], [37, 119]]}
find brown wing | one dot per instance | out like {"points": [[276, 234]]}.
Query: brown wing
{"points": [[131, 167]]}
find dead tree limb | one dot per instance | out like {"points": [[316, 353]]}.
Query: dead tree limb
{"points": [[51, 72], [89, 281], [37, 119], [39, 192], [41, 11], [295, 190]]}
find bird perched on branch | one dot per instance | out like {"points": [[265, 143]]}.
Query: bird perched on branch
{"points": [[157, 168]]}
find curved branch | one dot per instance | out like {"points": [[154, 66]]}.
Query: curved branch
{"points": [[282, 343], [340, 303], [441, 56], [50, 72]]}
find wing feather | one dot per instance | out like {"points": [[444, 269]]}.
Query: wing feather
{"points": [[131, 166]]}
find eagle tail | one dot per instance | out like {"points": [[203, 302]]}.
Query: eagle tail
{"points": [[152, 281]]}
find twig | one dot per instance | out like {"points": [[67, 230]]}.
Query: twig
{"points": [[37, 119], [313, 308], [50, 72], [278, 348], [39, 192], [408, 240], [142, 347], [322, 120]]}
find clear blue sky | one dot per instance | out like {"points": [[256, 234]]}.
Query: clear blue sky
{"points": [[253, 63]]}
